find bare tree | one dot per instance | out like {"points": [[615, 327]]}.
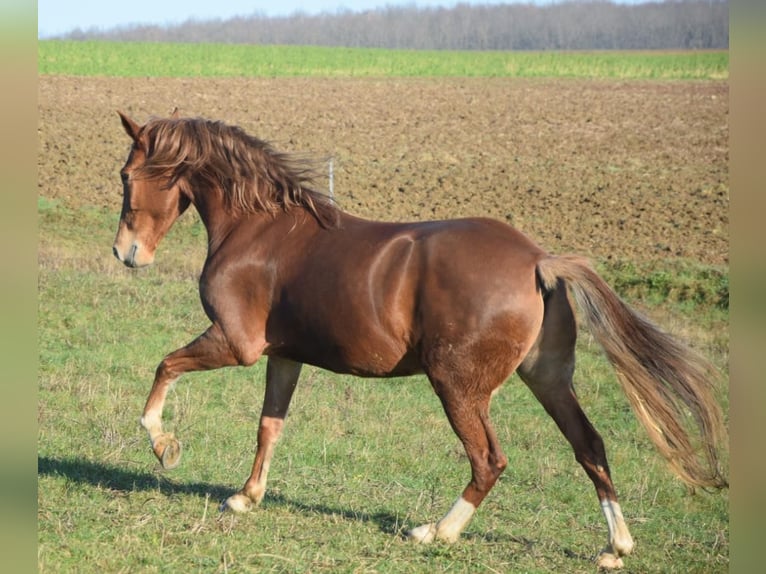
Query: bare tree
{"points": [[569, 25]]}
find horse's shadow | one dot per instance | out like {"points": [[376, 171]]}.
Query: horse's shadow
{"points": [[124, 480]]}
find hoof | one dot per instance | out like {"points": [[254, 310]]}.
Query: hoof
{"points": [[424, 534], [168, 451], [608, 561], [238, 503]]}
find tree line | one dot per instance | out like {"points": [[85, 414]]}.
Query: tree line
{"points": [[568, 25]]}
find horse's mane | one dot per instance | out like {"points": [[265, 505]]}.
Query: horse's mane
{"points": [[249, 172]]}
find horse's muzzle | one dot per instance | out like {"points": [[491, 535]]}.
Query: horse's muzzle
{"points": [[130, 259]]}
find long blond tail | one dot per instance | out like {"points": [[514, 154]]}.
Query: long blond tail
{"points": [[664, 380]]}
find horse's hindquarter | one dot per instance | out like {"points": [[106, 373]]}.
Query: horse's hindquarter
{"points": [[367, 297], [481, 308]]}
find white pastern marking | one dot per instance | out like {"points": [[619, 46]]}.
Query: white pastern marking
{"points": [[152, 423], [455, 521], [608, 509], [152, 418], [619, 536]]}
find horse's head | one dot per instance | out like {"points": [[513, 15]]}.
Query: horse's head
{"points": [[151, 202]]}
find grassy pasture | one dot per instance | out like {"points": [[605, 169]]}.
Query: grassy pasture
{"points": [[201, 60], [361, 461]]}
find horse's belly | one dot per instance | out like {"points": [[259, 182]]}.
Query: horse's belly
{"points": [[370, 358]]}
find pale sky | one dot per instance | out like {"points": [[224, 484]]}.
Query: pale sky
{"points": [[62, 16], [56, 17]]}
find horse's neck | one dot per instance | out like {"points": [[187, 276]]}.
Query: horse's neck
{"points": [[220, 224], [217, 220]]}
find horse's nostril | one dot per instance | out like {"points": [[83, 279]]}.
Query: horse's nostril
{"points": [[132, 254], [115, 252]]}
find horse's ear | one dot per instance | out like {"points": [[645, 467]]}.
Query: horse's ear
{"points": [[131, 127], [175, 115]]}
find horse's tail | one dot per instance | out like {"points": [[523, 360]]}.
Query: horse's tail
{"points": [[665, 382]]}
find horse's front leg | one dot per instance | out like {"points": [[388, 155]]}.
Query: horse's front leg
{"points": [[208, 351], [281, 378]]}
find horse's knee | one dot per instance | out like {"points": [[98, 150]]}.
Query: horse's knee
{"points": [[164, 371], [501, 463]]}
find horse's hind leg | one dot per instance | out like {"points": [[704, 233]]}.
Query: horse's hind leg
{"points": [[547, 370], [469, 417], [589, 451], [281, 379]]}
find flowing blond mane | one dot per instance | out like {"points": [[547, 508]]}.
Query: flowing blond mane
{"points": [[249, 172]]}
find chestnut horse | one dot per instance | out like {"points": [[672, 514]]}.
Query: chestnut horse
{"points": [[467, 302]]}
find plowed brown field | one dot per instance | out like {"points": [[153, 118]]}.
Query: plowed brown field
{"points": [[625, 170]]}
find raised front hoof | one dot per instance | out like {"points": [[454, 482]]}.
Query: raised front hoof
{"points": [[237, 503], [167, 449], [424, 534], [608, 560]]}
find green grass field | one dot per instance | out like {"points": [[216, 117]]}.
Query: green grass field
{"points": [[361, 461], [226, 60]]}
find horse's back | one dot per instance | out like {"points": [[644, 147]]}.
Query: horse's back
{"points": [[468, 263]]}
